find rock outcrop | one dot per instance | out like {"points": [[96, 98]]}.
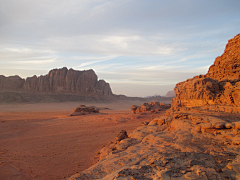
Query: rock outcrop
{"points": [[68, 81], [58, 81], [152, 107], [83, 110], [198, 138], [11, 83], [181, 145], [121, 135], [227, 66], [219, 87]]}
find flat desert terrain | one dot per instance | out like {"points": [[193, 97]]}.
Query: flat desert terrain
{"points": [[42, 141]]}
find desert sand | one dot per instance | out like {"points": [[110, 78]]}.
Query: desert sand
{"points": [[42, 141]]}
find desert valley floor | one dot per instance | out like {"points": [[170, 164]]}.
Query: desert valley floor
{"points": [[42, 141]]}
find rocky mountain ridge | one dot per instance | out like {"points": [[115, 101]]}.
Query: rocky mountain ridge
{"points": [[198, 138], [62, 81], [61, 85], [219, 87]]}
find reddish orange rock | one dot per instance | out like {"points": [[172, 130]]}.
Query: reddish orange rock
{"points": [[227, 66], [220, 86], [152, 107]]}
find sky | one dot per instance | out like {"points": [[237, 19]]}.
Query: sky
{"points": [[142, 48]]}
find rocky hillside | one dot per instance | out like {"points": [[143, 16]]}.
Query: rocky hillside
{"points": [[227, 67], [198, 138], [220, 87], [57, 81]]}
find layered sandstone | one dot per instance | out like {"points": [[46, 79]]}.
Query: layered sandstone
{"points": [[227, 66], [220, 86], [59, 81]]}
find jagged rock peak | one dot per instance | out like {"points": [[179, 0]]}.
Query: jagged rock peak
{"points": [[227, 66], [60, 81], [220, 86]]}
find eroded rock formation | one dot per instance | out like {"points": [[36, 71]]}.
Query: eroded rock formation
{"points": [[68, 81], [181, 145], [83, 110], [59, 81], [198, 138], [227, 66], [121, 135], [152, 107], [11, 83], [219, 87]]}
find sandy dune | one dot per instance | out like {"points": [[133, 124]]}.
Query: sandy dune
{"points": [[41, 141]]}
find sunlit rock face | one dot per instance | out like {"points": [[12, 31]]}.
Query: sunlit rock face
{"points": [[220, 86], [227, 66], [198, 138], [59, 81]]}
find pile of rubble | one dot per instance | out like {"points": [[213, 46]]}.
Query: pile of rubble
{"points": [[152, 107]]}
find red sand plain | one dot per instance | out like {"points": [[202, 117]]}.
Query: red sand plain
{"points": [[42, 141]]}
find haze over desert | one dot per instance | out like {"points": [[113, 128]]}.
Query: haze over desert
{"points": [[42, 141], [119, 90]]}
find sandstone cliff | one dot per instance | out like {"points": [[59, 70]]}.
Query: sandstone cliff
{"points": [[219, 87], [68, 81], [198, 138], [58, 81], [11, 83], [227, 66]]}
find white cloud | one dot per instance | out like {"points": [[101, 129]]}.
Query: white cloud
{"points": [[35, 62], [15, 50], [125, 41], [85, 64], [118, 45]]}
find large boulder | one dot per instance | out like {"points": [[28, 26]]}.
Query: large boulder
{"points": [[83, 110], [121, 135]]}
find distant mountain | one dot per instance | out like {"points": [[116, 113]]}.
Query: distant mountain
{"points": [[170, 94], [58, 81], [59, 85]]}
